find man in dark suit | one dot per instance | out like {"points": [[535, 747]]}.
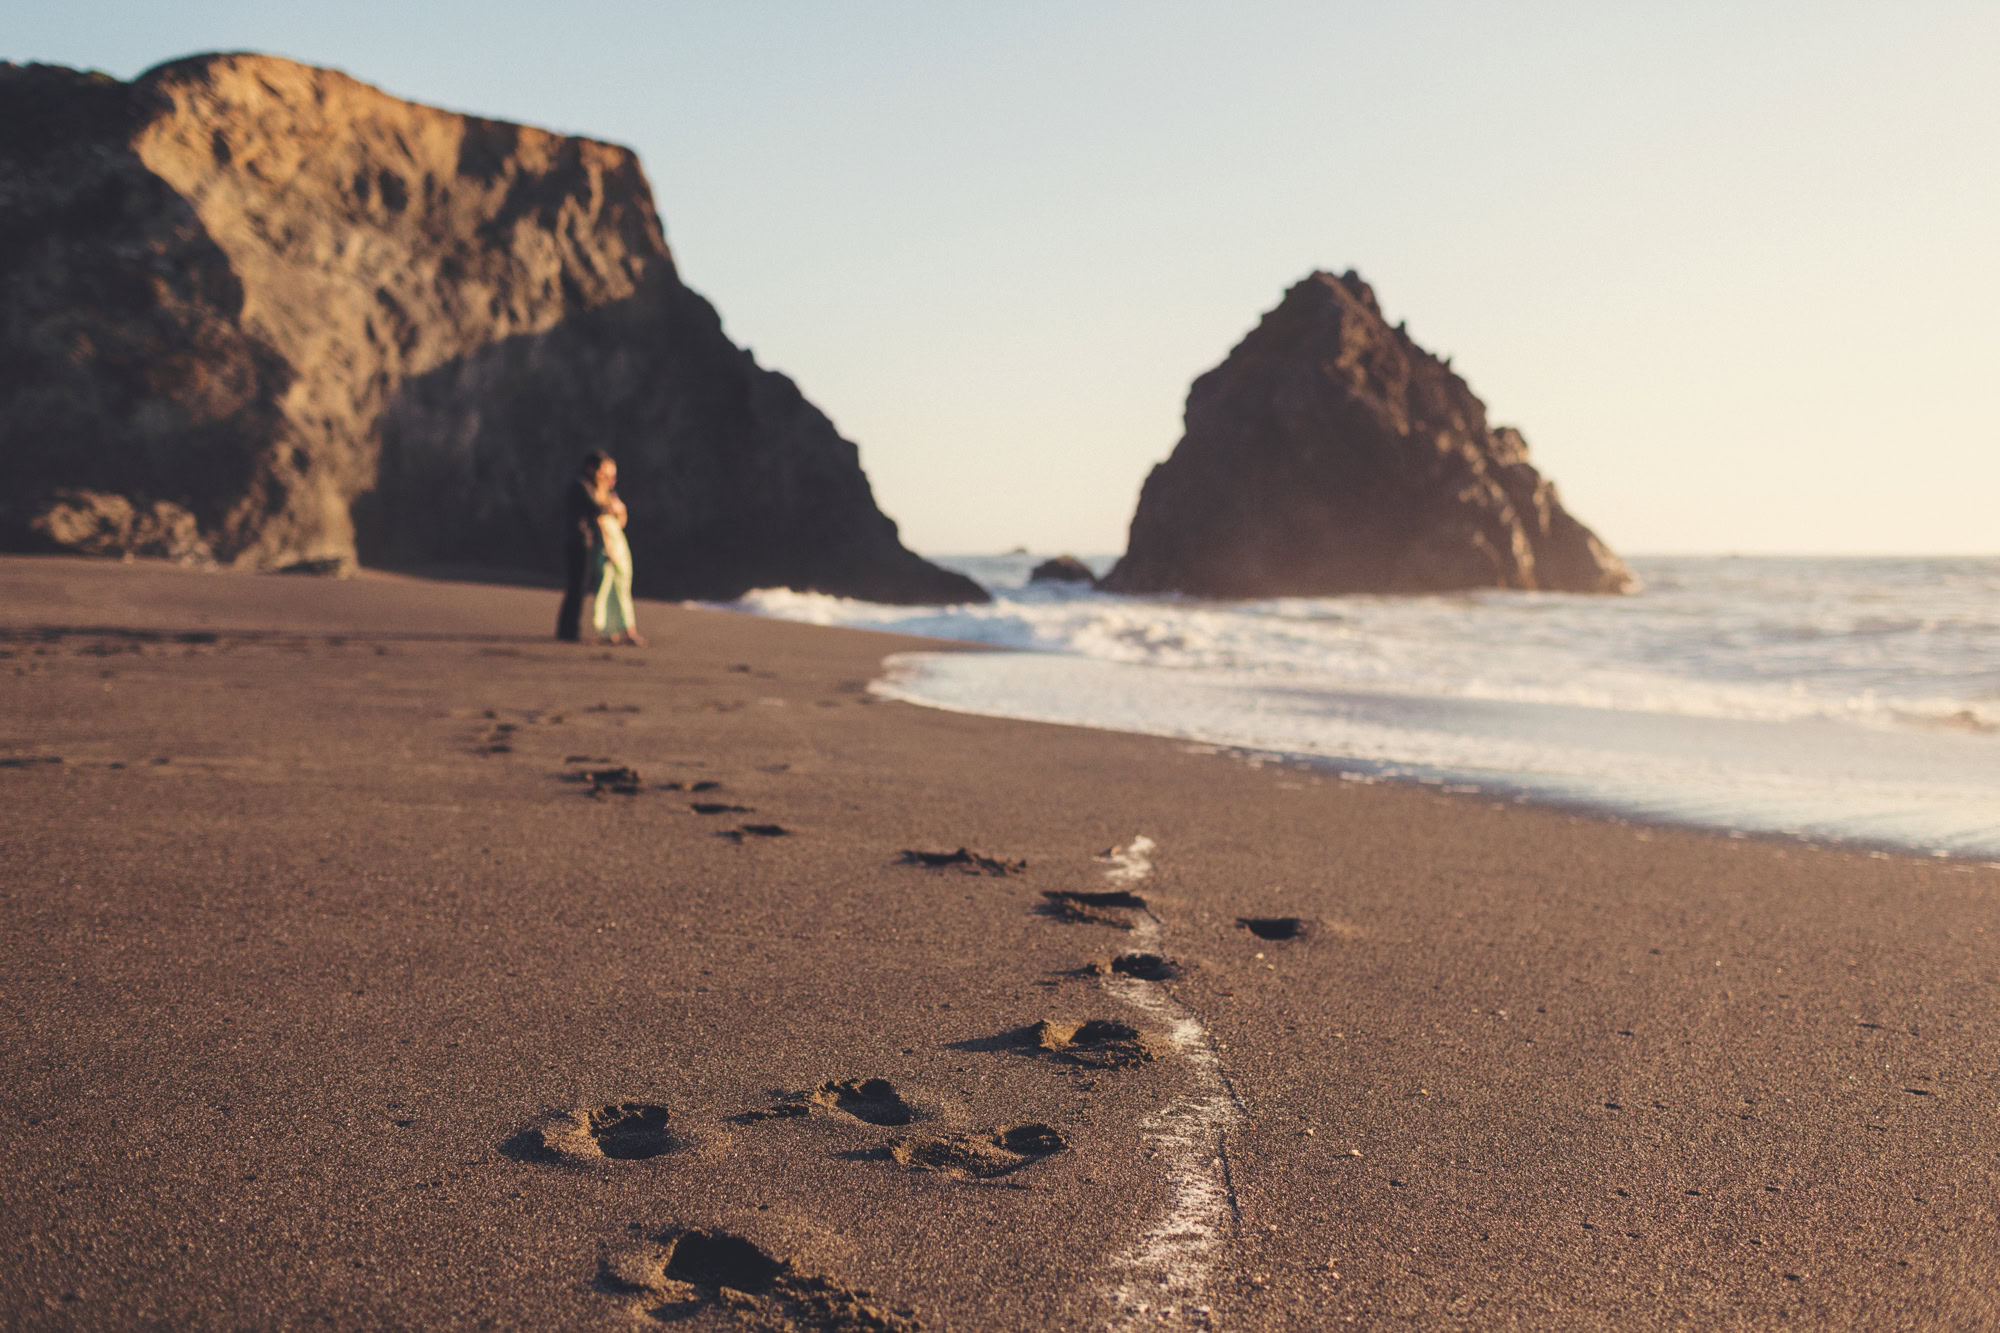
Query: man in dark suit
{"points": [[581, 535]]}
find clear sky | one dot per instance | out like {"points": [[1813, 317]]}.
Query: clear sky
{"points": [[1734, 268]]}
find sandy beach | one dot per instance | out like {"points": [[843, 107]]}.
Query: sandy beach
{"points": [[339, 993]]}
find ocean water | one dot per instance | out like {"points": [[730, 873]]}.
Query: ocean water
{"points": [[1847, 700]]}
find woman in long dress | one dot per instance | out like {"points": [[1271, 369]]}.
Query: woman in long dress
{"points": [[612, 613]]}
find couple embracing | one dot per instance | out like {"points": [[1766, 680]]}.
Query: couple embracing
{"points": [[597, 562]]}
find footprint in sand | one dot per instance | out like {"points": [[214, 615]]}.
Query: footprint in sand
{"points": [[1098, 1044], [619, 780], [742, 831], [1144, 966], [719, 808], [988, 1156], [680, 1273], [1109, 908], [874, 1100], [1275, 927], [499, 737], [619, 1131], [969, 862]]}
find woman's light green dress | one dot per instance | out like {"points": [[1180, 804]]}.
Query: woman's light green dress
{"points": [[612, 614]]}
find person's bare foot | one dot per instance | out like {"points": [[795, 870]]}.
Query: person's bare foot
{"points": [[632, 637]]}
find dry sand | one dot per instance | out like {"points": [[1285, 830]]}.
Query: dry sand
{"points": [[330, 998]]}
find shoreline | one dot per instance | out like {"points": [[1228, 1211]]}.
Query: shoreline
{"points": [[1487, 784], [285, 1012]]}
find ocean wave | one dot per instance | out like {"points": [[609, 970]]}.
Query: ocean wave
{"points": [[1754, 640], [1846, 700]]}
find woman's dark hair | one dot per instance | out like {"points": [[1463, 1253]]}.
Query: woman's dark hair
{"points": [[592, 461]]}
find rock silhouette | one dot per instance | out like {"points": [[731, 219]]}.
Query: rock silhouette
{"points": [[260, 312], [1330, 454], [1062, 569]]}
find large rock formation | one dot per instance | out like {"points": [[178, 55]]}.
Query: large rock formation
{"points": [[1330, 454], [262, 311]]}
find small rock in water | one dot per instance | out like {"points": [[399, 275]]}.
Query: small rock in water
{"points": [[1063, 569]]}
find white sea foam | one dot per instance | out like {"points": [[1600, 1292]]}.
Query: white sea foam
{"points": [[1853, 699], [1889, 643]]}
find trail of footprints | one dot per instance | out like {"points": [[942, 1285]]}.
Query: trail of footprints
{"points": [[601, 778], [682, 1271]]}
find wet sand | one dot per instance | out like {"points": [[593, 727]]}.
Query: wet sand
{"points": [[335, 994]]}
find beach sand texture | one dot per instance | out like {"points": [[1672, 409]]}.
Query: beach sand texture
{"points": [[337, 991]]}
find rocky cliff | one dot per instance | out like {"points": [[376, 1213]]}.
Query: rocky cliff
{"points": [[260, 311], [1330, 454]]}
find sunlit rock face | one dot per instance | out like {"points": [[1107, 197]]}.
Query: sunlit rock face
{"points": [[282, 317], [1330, 454]]}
